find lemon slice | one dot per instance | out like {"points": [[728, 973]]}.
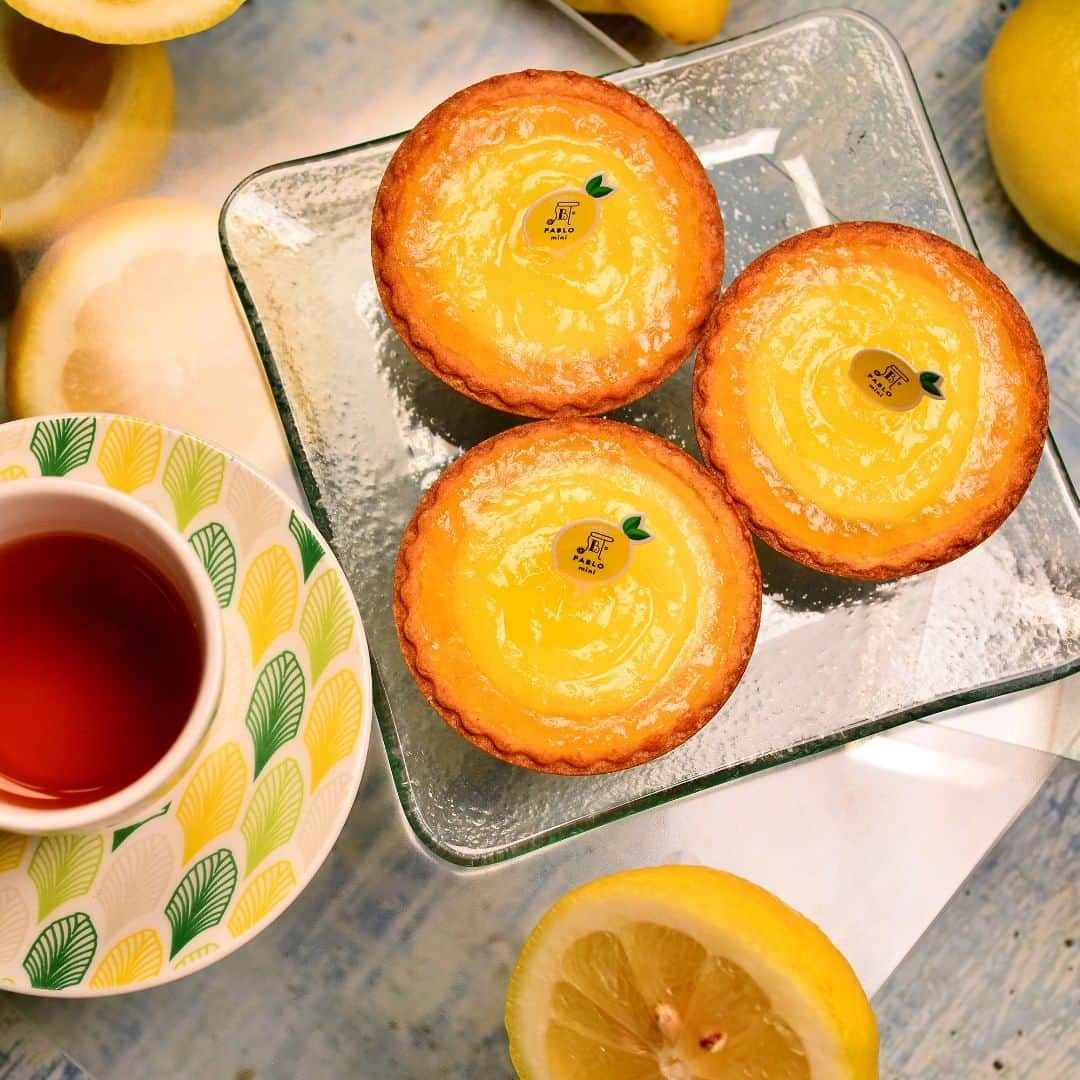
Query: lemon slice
{"points": [[685, 973], [80, 125], [134, 312], [128, 22]]}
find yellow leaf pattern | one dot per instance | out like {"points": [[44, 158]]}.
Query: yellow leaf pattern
{"points": [[63, 867], [193, 957], [268, 598], [326, 624], [334, 724], [138, 957], [130, 454], [264, 894], [275, 808], [103, 893], [211, 802], [12, 849]]}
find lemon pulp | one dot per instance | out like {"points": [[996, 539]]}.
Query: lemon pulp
{"points": [[571, 648], [515, 307], [851, 456], [684, 973], [647, 1002]]}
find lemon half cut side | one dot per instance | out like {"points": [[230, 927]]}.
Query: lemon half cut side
{"points": [[685, 973], [128, 22]]}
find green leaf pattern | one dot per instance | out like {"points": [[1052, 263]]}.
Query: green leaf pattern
{"points": [[63, 867], [311, 551], [276, 707], [218, 554], [125, 831], [273, 813], [66, 867], [201, 899], [193, 478], [62, 953], [326, 624], [64, 444]]}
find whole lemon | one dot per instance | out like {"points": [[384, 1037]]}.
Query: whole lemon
{"points": [[1031, 100], [688, 22]]}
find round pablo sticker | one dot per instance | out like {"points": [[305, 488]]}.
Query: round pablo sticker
{"points": [[889, 381], [596, 550], [561, 219]]}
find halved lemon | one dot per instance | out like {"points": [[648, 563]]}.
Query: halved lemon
{"points": [[685, 973], [81, 125], [134, 312], [128, 22]]}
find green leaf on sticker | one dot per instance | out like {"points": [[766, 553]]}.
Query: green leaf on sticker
{"points": [[193, 478], [277, 705], [930, 381], [201, 899], [326, 623], [62, 953], [218, 554], [596, 187], [123, 833], [64, 444], [311, 551], [63, 867], [273, 813], [631, 526]]}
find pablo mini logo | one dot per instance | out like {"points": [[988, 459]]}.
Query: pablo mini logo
{"points": [[562, 219], [892, 382], [593, 549]]}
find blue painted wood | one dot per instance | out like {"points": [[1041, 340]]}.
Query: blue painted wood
{"points": [[362, 992], [993, 987], [25, 1054]]}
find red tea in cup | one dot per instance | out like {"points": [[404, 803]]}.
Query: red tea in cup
{"points": [[100, 666]]}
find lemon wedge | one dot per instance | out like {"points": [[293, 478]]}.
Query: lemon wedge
{"points": [[80, 125], [128, 22], [134, 312], [685, 973]]}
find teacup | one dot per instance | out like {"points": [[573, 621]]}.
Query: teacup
{"points": [[112, 652]]}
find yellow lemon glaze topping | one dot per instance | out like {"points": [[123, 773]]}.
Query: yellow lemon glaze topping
{"points": [[562, 665], [573, 647], [515, 304], [873, 397], [826, 438]]}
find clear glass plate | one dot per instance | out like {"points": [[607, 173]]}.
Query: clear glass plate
{"points": [[812, 120]]}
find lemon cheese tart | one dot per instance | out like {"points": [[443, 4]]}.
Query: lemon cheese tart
{"points": [[576, 596], [547, 244], [873, 397]]}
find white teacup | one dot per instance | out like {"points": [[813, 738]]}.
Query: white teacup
{"points": [[44, 507]]}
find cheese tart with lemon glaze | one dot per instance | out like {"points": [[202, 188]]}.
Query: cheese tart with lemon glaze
{"points": [[547, 244], [873, 397], [576, 596]]}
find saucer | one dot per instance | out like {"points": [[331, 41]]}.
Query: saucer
{"points": [[239, 835]]}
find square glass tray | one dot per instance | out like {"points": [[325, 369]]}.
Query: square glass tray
{"points": [[815, 119]]}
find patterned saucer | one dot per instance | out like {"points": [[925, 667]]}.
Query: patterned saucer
{"points": [[245, 829]]}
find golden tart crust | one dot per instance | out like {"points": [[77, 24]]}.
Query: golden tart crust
{"points": [[637, 295], [962, 322], [545, 672]]}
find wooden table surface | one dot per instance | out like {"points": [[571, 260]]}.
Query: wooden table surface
{"points": [[155, 1034]]}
